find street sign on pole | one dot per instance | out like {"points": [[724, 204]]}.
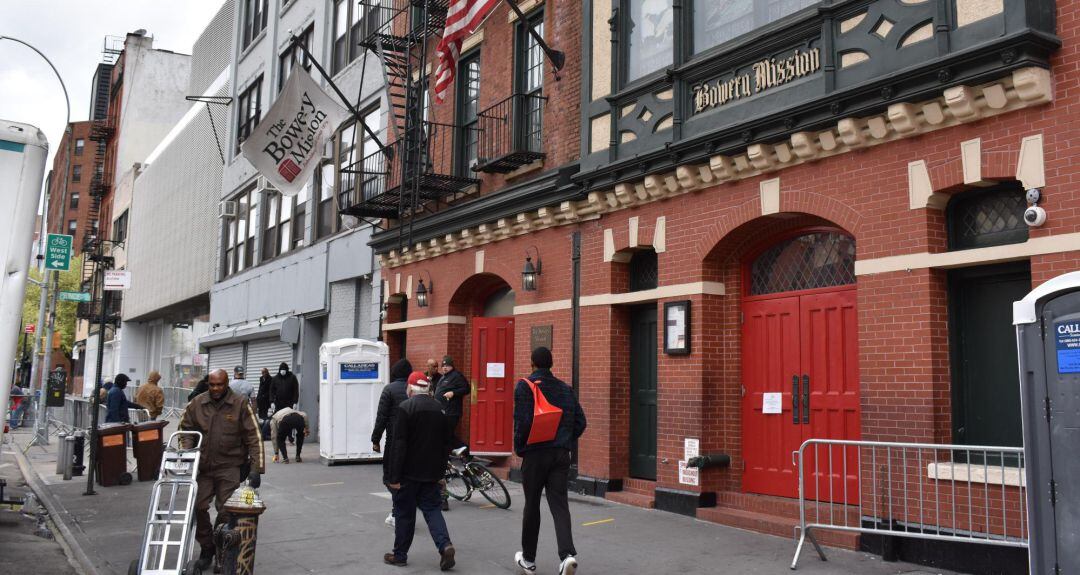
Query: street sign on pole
{"points": [[74, 296], [116, 280], [58, 252]]}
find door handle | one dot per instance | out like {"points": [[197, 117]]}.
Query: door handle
{"points": [[795, 399], [806, 398]]}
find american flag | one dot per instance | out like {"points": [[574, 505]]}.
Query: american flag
{"points": [[462, 18]]}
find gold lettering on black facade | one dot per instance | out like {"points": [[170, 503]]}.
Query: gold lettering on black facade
{"points": [[763, 75]]}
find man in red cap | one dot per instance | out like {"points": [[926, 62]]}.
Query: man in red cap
{"points": [[417, 465]]}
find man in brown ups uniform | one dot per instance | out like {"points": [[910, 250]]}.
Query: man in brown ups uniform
{"points": [[230, 442]]}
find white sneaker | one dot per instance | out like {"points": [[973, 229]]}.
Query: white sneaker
{"points": [[391, 521], [526, 567], [568, 566]]}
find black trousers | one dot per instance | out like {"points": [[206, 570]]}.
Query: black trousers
{"points": [[546, 470], [455, 441], [289, 424]]}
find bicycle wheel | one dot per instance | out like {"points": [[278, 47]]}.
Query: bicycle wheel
{"points": [[491, 487], [456, 486]]}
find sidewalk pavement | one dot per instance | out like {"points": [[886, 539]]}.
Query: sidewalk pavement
{"points": [[20, 547], [329, 520]]}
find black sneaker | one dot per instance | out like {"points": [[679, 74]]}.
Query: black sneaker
{"points": [[391, 559], [446, 561]]}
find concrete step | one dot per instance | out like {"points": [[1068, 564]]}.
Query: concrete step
{"points": [[786, 507], [639, 487], [628, 498], [774, 525]]}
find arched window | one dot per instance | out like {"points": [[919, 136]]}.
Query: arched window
{"points": [[989, 217], [809, 261]]}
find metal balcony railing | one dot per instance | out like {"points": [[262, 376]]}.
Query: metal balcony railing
{"points": [[376, 186], [513, 133]]}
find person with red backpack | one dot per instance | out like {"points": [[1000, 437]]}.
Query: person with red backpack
{"points": [[548, 420]]}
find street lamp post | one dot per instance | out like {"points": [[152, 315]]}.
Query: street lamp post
{"points": [[38, 387]]}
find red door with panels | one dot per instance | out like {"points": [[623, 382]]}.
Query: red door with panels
{"points": [[491, 423], [800, 367]]}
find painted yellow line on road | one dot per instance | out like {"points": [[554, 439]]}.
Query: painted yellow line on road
{"points": [[591, 523], [325, 484], [487, 507]]}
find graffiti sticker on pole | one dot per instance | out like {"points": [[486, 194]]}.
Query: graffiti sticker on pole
{"points": [[58, 252]]}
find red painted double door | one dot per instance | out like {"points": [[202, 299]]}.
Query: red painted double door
{"points": [[491, 421], [800, 350]]}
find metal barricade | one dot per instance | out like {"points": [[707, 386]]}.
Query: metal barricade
{"points": [[965, 493], [175, 400]]}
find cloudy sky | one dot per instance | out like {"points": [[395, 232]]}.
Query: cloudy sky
{"points": [[71, 34]]}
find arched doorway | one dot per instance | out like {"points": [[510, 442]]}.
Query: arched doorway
{"points": [[799, 360], [488, 303]]}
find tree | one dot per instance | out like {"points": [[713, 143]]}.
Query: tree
{"points": [[65, 324]]}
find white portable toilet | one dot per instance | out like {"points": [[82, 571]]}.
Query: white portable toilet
{"points": [[352, 375]]}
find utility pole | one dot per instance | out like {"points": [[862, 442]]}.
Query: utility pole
{"points": [[103, 263]]}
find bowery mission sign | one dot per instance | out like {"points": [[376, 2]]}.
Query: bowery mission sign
{"points": [[758, 77]]}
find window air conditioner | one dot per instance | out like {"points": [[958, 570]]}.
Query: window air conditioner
{"points": [[227, 209], [263, 184]]}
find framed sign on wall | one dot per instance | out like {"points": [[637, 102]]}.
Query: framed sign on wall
{"points": [[677, 327]]}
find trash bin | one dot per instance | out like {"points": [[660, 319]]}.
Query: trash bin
{"points": [[147, 446], [112, 454]]}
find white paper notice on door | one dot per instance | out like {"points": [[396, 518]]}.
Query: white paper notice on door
{"points": [[772, 403], [498, 370]]}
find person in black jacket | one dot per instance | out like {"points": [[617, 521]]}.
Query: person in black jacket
{"points": [[284, 388], [418, 463], [546, 465], [451, 392], [201, 387], [262, 397], [392, 396]]}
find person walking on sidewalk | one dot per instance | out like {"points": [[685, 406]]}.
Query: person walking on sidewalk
{"points": [[392, 396], [545, 466], [240, 385], [117, 404], [150, 395], [418, 464], [230, 442], [451, 392], [282, 425], [262, 398], [284, 388]]}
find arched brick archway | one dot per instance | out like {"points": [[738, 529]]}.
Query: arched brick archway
{"points": [[725, 259], [483, 348]]}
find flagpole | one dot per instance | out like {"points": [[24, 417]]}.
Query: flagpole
{"points": [[295, 42], [557, 57]]}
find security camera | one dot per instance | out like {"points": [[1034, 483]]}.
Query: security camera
{"points": [[1034, 216], [1033, 196]]}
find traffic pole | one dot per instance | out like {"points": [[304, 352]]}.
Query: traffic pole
{"points": [[96, 399]]}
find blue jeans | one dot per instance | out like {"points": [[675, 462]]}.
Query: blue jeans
{"points": [[17, 413], [428, 497]]}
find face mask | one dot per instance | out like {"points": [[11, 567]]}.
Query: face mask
{"points": [[282, 372]]}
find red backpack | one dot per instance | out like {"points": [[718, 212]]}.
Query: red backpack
{"points": [[546, 417]]}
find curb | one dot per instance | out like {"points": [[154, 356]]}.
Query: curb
{"points": [[52, 505]]}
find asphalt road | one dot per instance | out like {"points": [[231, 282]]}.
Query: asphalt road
{"points": [[330, 520]]}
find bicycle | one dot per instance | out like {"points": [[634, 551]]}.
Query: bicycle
{"points": [[466, 474]]}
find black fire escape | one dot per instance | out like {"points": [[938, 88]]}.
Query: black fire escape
{"points": [[416, 171]]}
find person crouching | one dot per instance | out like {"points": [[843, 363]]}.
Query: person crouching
{"points": [[422, 437]]}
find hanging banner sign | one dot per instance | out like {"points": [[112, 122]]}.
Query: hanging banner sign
{"points": [[288, 142]]}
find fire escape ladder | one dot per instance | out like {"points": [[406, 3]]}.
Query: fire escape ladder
{"points": [[420, 169]]}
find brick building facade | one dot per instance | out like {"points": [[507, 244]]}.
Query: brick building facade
{"points": [[853, 221], [69, 208]]}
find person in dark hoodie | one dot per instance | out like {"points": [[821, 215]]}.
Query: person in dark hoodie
{"points": [[262, 398], [201, 387], [117, 404], [545, 466], [392, 396], [284, 388]]}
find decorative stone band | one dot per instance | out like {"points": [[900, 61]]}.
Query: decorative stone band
{"points": [[957, 105], [964, 258], [424, 322], [662, 292]]}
